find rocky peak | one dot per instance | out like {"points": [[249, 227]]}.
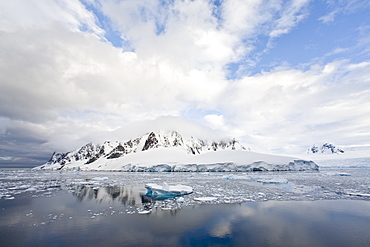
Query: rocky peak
{"points": [[90, 152], [326, 148], [151, 142]]}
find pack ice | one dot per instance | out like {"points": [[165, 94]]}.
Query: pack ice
{"points": [[171, 152]]}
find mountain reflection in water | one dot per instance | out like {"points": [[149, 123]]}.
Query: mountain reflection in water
{"points": [[126, 195]]}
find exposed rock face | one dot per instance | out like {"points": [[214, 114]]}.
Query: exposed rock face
{"points": [[326, 148], [152, 142], [90, 153]]}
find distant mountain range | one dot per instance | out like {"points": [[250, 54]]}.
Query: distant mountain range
{"points": [[169, 151], [326, 148], [328, 155]]}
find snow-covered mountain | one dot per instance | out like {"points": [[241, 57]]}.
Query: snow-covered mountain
{"points": [[169, 151], [328, 155], [90, 153], [326, 148]]}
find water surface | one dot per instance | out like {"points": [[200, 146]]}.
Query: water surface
{"points": [[65, 220], [329, 208]]}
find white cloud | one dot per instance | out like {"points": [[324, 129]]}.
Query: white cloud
{"points": [[342, 7], [216, 121], [41, 13], [190, 32], [289, 18], [61, 80], [301, 107]]}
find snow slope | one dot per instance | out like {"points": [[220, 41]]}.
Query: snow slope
{"points": [[170, 152], [328, 155]]}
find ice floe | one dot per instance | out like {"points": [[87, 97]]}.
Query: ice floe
{"points": [[166, 190], [100, 179], [144, 211], [205, 199]]}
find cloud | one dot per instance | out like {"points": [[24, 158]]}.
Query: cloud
{"points": [[216, 121], [342, 7], [289, 18], [34, 13], [178, 30], [63, 82], [289, 103]]}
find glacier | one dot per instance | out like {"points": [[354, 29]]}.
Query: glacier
{"points": [[169, 151]]}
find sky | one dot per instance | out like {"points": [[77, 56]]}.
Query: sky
{"points": [[277, 75]]}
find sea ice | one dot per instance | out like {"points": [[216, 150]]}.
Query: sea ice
{"points": [[180, 199], [144, 212], [273, 181], [341, 174], [166, 190], [233, 177], [128, 189], [205, 199], [100, 179]]}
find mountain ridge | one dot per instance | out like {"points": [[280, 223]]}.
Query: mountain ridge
{"points": [[112, 150], [326, 148], [169, 152]]}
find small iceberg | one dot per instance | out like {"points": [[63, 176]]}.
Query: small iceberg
{"points": [[144, 211], [167, 191]]}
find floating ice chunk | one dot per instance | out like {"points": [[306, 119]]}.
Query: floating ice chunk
{"points": [[100, 179], [144, 212], [31, 189], [165, 186], [167, 190], [205, 199], [13, 188], [341, 174], [360, 194], [356, 193], [180, 199], [273, 181]]}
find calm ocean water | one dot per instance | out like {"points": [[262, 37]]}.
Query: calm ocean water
{"points": [[67, 220], [329, 208]]}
